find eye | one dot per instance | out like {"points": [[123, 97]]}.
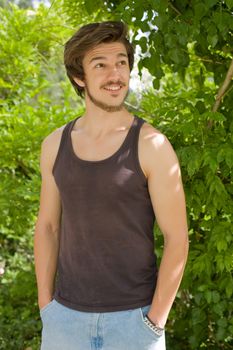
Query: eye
{"points": [[99, 65], [123, 63]]}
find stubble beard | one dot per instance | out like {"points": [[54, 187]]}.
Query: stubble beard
{"points": [[104, 106]]}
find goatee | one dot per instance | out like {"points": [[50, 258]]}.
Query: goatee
{"points": [[106, 107]]}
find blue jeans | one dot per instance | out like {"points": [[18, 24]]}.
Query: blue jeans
{"points": [[68, 329]]}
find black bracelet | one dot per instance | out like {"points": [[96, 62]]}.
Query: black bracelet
{"points": [[156, 329]]}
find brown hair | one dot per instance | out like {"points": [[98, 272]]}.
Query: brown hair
{"points": [[88, 37]]}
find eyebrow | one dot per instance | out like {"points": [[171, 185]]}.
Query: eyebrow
{"points": [[104, 58]]}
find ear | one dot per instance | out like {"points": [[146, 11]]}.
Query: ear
{"points": [[79, 81]]}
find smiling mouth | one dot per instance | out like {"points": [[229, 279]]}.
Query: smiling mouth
{"points": [[113, 88]]}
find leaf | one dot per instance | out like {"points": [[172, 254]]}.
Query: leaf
{"points": [[202, 287], [221, 245], [200, 11], [194, 163], [198, 298], [208, 296], [198, 316], [216, 116], [221, 155], [209, 159], [229, 157], [175, 55], [200, 106], [212, 39], [143, 44], [229, 3], [210, 3], [215, 296], [161, 6], [139, 12], [219, 263], [153, 64], [5, 84], [218, 309], [223, 20], [156, 84], [89, 6], [211, 28], [144, 26], [229, 289]]}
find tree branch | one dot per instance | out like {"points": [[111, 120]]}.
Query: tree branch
{"points": [[51, 5], [203, 59], [134, 107], [223, 88], [174, 8], [178, 12], [222, 92]]}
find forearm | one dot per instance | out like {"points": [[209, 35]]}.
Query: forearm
{"points": [[169, 278], [46, 246]]}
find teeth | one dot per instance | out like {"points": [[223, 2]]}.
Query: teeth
{"points": [[113, 88]]}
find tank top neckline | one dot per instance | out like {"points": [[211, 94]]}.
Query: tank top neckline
{"points": [[101, 161]]}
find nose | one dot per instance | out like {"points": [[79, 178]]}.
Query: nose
{"points": [[114, 72]]}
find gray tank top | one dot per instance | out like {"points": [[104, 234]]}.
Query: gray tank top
{"points": [[106, 258]]}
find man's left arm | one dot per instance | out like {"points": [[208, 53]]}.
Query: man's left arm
{"points": [[168, 200]]}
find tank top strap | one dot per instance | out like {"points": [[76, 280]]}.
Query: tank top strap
{"points": [[63, 141], [134, 134], [139, 122], [133, 142], [67, 131]]}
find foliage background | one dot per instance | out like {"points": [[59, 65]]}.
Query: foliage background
{"points": [[187, 48]]}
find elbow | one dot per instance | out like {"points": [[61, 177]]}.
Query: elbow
{"points": [[184, 242], [186, 246], [46, 227], [177, 243]]}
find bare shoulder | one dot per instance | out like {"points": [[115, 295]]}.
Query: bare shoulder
{"points": [[50, 146], [54, 138], [155, 149], [150, 135]]}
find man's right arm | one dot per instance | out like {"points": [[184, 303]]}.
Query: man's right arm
{"points": [[47, 229]]}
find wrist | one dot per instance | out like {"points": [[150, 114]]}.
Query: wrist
{"points": [[153, 326], [156, 320], [43, 303], [44, 300]]}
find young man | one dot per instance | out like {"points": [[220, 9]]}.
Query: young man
{"points": [[105, 177]]}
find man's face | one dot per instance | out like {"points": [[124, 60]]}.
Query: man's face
{"points": [[107, 73]]}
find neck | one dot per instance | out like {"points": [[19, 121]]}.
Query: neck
{"points": [[97, 122]]}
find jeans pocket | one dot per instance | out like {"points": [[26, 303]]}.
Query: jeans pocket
{"points": [[143, 311], [46, 307]]}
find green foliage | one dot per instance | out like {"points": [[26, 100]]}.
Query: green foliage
{"points": [[201, 316], [82, 12], [32, 105], [206, 157]]}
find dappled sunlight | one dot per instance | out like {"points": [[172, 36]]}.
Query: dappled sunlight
{"points": [[158, 139], [174, 169], [2, 268], [176, 173], [167, 156]]}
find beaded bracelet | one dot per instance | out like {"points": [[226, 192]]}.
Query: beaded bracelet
{"points": [[156, 329]]}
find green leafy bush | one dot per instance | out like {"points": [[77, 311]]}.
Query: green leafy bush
{"points": [[32, 105]]}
